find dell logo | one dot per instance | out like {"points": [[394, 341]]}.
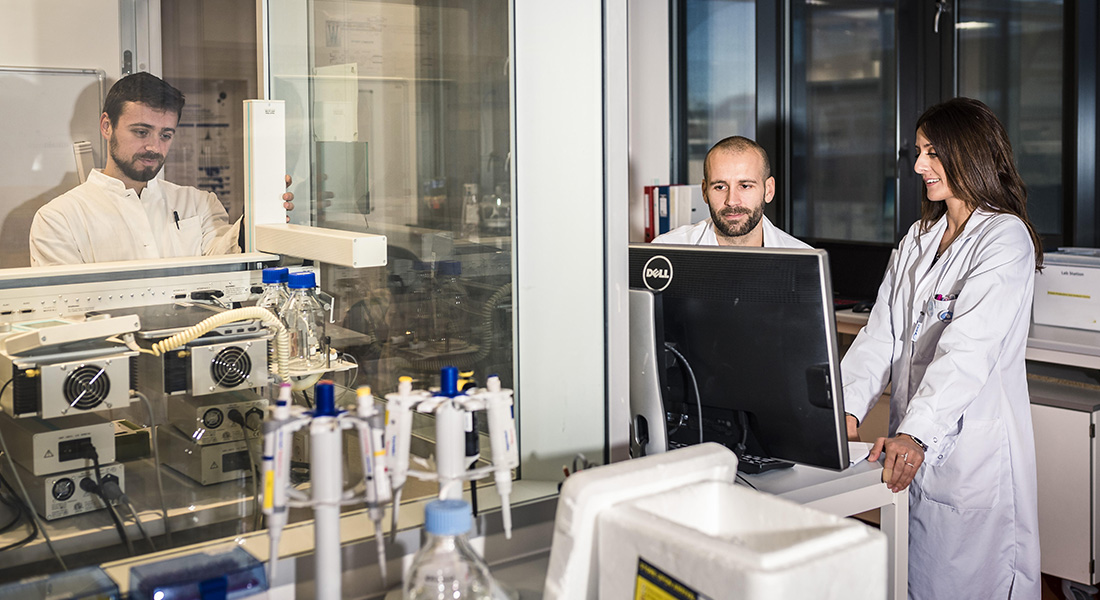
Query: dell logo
{"points": [[657, 273]]}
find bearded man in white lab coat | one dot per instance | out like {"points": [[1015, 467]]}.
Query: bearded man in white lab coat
{"points": [[737, 183], [948, 332], [123, 212]]}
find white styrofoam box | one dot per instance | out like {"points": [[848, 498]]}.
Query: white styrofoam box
{"points": [[1067, 291], [574, 565], [719, 540]]}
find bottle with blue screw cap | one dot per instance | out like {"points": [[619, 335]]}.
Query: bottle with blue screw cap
{"points": [[446, 566], [275, 293], [305, 322]]}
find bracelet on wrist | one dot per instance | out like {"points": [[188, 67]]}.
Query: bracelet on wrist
{"points": [[922, 445]]}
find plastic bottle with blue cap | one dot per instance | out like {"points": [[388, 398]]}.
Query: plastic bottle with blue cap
{"points": [[446, 566], [305, 321]]}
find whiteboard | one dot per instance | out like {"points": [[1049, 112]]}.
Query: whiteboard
{"points": [[45, 111]]}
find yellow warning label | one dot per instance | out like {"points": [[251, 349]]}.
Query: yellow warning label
{"points": [[654, 584]]}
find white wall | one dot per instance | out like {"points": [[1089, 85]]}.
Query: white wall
{"points": [[650, 105], [562, 232]]}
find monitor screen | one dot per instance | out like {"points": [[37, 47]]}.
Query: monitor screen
{"points": [[756, 327]]}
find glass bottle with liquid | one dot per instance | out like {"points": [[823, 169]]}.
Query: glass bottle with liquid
{"points": [[275, 293], [446, 566], [305, 321]]}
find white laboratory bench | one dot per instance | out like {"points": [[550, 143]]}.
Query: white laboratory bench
{"points": [[1065, 417]]}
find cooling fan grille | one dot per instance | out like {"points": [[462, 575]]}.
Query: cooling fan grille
{"points": [[231, 367], [86, 387]]}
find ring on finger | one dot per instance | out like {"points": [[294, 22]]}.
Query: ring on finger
{"points": [[909, 464], [905, 457]]}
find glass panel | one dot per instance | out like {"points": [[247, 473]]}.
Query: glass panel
{"points": [[398, 121], [1011, 58], [399, 112], [721, 76], [843, 120]]}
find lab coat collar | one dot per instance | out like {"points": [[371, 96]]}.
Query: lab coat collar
{"points": [[153, 188], [930, 240]]}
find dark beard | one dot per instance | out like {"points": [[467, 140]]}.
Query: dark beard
{"points": [[129, 170], [736, 229]]}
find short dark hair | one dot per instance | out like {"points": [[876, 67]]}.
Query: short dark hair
{"points": [[144, 88], [737, 143]]}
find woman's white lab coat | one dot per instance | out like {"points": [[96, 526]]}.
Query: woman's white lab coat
{"points": [[950, 339]]}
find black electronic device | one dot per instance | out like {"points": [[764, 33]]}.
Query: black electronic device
{"points": [[857, 269], [757, 329]]}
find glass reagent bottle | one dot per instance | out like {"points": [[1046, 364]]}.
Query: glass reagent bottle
{"points": [[305, 322], [446, 567], [275, 292]]}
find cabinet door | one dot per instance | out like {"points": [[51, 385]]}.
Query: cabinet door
{"points": [[1063, 449]]}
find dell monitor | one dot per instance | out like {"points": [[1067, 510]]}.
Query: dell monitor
{"points": [[753, 330]]}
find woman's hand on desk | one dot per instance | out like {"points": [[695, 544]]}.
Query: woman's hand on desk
{"points": [[903, 457]]}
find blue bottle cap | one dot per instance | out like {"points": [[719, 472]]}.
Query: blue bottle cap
{"points": [[301, 280], [325, 400], [275, 274], [448, 517], [448, 382]]}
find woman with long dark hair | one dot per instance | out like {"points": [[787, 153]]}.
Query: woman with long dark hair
{"points": [[948, 333]]}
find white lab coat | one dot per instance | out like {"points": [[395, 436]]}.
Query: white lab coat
{"points": [[950, 339], [101, 220], [702, 234]]}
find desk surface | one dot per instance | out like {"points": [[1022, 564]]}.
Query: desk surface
{"points": [[805, 484]]}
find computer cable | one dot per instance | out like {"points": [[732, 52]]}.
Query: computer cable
{"points": [[235, 416], [14, 504], [96, 487], [156, 466], [110, 491], [21, 511], [25, 499], [694, 385], [124, 500]]}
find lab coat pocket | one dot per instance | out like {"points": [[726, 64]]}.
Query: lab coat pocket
{"points": [[970, 478], [188, 237], [937, 316]]}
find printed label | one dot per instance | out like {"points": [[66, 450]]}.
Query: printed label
{"points": [[654, 584]]}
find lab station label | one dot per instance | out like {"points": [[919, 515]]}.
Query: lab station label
{"points": [[654, 584]]}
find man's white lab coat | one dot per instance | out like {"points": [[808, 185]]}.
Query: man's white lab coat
{"points": [[702, 234], [950, 338], [100, 220]]}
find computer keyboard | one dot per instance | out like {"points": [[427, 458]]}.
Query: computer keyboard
{"points": [[843, 303], [752, 465]]}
